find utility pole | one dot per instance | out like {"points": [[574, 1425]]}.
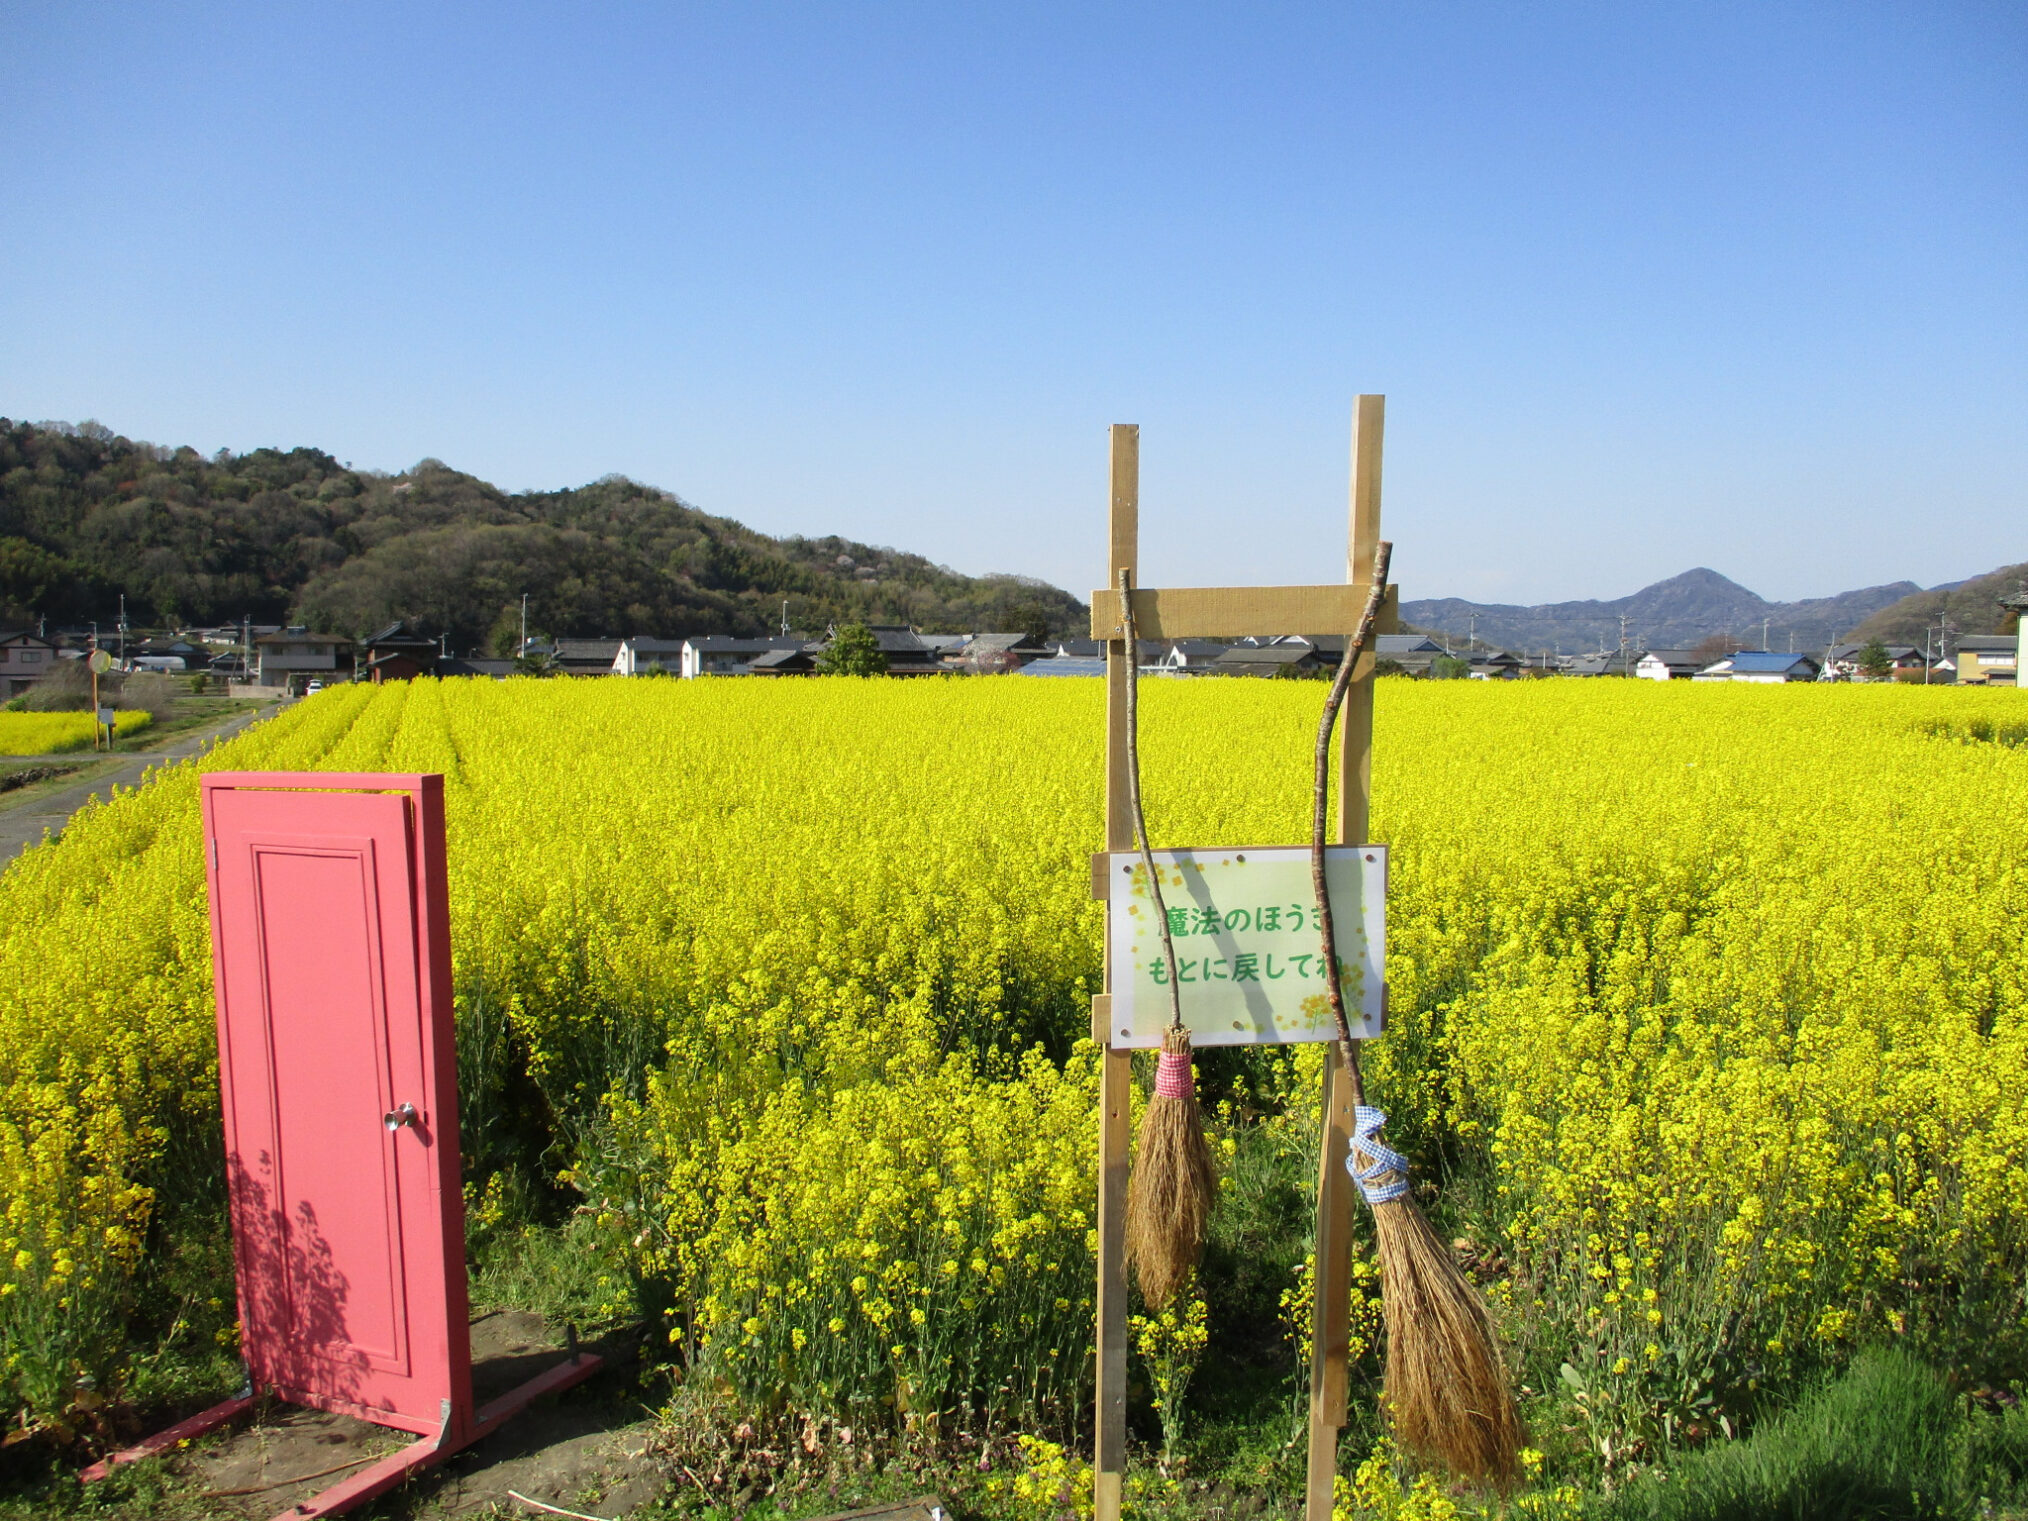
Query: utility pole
{"points": [[1471, 635], [1623, 644], [785, 617], [524, 625], [1763, 631], [123, 629]]}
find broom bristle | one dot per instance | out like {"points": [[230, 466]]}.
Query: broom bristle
{"points": [[1173, 1187], [1446, 1385]]}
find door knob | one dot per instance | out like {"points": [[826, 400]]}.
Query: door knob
{"points": [[402, 1115]]}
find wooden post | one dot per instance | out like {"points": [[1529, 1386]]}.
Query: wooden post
{"points": [[1109, 1423], [1213, 612], [1330, 1313]]}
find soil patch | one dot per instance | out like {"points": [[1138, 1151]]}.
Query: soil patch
{"points": [[581, 1450]]}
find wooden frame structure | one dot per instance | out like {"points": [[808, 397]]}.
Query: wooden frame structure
{"points": [[1231, 612]]}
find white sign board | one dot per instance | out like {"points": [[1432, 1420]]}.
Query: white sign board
{"points": [[1249, 958]]}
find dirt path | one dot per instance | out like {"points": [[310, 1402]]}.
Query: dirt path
{"points": [[23, 826], [582, 1450]]}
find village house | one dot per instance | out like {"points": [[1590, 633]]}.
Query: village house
{"points": [[1668, 665], [1297, 657], [1761, 666], [1989, 660], [801, 661], [723, 655], [1606, 663], [1841, 662], [25, 658], [167, 655], [399, 652], [584, 657], [906, 654], [637, 657], [1412, 652], [1191, 655], [295, 657]]}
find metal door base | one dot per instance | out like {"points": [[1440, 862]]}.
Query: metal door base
{"points": [[389, 1471]]}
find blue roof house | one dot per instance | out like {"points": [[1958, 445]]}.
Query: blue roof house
{"points": [[1765, 666]]}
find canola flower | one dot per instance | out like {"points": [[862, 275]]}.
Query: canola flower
{"points": [[55, 733], [1717, 991]]}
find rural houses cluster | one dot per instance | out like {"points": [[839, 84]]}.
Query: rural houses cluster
{"points": [[297, 660]]}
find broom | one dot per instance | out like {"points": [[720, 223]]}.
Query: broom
{"points": [[1173, 1186], [1446, 1386]]}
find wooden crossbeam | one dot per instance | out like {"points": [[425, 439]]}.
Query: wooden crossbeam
{"points": [[1232, 612]]}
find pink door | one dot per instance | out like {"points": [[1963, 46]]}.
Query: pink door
{"points": [[331, 947]]}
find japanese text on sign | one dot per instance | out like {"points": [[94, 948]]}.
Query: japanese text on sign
{"points": [[1249, 962]]}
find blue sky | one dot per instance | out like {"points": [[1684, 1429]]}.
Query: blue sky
{"points": [[1647, 286]]}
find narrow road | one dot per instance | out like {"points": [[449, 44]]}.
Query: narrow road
{"points": [[24, 826]]}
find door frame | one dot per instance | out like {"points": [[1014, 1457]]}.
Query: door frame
{"points": [[429, 926]]}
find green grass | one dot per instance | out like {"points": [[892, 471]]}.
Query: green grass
{"points": [[556, 1272], [1887, 1441], [186, 714]]}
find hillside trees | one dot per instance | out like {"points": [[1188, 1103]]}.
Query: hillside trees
{"points": [[296, 536], [32, 581], [1970, 607]]}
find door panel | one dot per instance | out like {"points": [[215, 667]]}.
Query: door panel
{"points": [[336, 1179], [344, 1239]]}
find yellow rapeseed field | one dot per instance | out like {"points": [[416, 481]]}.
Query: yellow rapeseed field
{"points": [[53, 733], [1706, 1003]]}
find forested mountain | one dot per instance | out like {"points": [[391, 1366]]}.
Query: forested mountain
{"points": [[1972, 607], [295, 536]]}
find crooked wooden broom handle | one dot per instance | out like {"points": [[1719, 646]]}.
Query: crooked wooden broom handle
{"points": [[1134, 795], [1319, 826]]}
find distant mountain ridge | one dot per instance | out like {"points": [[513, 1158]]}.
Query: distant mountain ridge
{"points": [[1675, 613]]}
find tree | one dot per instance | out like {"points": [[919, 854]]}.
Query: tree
{"points": [[1031, 618], [1713, 648], [1874, 661], [853, 651], [1449, 668]]}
